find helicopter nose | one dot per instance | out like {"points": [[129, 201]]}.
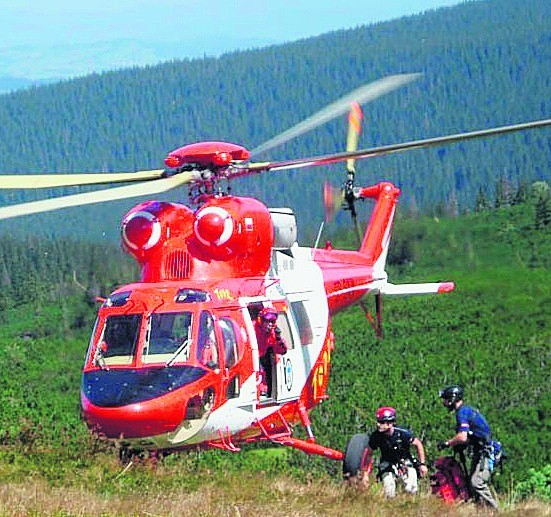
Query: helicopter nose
{"points": [[139, 420]]}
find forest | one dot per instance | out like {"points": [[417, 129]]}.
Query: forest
{"points": [[483, 64]]}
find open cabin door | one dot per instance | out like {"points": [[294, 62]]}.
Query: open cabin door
{"points": [[288, 368]]}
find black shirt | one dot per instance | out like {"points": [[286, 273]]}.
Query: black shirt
{"points": [[395, 447]]}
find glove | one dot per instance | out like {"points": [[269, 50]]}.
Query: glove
{"points": [[441, 445], [277, 331]]}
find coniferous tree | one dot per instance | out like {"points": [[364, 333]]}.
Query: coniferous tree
{"points": [[543, 211], [522, 193], [482, 202], [503, 194], [453, 206]]}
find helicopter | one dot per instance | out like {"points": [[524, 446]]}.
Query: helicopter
{"points": [[174, 360]]}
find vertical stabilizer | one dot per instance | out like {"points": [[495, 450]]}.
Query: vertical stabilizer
{"points": [[377, 236]]}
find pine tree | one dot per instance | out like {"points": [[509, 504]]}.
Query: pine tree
{"points": [[543, 211], [522, 193], [503, 193], [482, 202]]}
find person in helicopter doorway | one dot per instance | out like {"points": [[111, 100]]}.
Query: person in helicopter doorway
{"points": [[270, 344], [472, 435], [396, 461]]}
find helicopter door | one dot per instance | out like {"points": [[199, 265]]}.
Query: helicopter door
{"points": [[207, 344], [232, 353]]}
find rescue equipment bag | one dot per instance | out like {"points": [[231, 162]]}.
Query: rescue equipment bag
{"points": [[449, 481], [497, 455]]}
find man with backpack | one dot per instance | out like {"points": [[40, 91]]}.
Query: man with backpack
{"points": [[396, 461], [473, 432]]}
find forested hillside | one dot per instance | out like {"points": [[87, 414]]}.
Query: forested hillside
{"points": [[484, 63]]}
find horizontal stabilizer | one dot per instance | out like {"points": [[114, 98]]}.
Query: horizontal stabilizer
{"points": [[407, 289]]}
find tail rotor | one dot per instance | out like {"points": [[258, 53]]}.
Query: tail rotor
{"points": [[345, 197]]}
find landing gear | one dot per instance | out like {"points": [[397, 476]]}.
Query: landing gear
{"points": [[357, 463], [128, 456]]}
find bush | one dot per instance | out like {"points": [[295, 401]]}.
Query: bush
{"points": [[537, 485]]}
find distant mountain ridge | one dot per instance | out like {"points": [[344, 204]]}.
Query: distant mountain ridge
{"points": [[484, 64], [11, 84], [57, 62]]}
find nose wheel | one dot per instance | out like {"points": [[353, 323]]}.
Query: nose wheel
{"points": [[129, 457]]}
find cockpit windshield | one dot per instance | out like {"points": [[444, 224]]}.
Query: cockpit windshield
{"points": [[168, 334], [119, 338]]}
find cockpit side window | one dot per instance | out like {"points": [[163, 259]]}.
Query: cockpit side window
{"points": [[230, 341], [119, 338], [166, 334], [207, 349]]}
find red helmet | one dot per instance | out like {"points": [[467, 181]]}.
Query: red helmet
{"points": [[268, 314], [385, 414]]}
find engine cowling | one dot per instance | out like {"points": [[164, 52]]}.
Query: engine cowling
{"points": [[234, 230], [226, 237]]}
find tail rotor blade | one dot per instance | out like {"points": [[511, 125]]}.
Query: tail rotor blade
{"points": [[332, 201], [355, 118]]}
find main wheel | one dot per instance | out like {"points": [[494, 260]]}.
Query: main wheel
{"points": [[356, 461]]}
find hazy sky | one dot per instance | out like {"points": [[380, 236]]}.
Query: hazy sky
{"points": [[229, 22]]}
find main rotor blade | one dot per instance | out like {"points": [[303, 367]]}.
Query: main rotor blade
{"points": [[48, 180], [394, 148], [361, 95], [87, 198]]}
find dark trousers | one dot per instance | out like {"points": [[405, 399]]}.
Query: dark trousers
{"points": [[266, 361]]}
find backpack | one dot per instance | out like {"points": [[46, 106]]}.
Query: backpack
{"points": [[497, 455], [449, 481]]}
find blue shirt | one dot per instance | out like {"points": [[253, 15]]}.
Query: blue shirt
{"points": [[472, 422]]}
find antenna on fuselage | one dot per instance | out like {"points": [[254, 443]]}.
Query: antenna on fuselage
{"points": [[319, 234]]}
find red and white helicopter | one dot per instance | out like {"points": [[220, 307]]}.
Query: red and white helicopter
{"points": [[173, 360]]}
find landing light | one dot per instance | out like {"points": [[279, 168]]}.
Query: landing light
{"points": [[221, 158], [173, 161]]}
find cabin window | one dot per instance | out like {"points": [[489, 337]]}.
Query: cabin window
{"points": [[303, 322], [207, 350], [283, 325], [168, 334], [119, 339], [232, 390]]}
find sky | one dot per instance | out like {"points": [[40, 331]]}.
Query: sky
{"points": [[29, 27], [65, 21]]}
